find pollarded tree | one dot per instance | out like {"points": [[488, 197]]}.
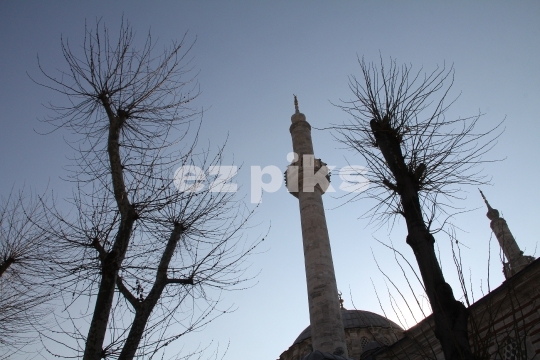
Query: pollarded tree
{"points": [[144, 253], [23, 262], [417, 161]]}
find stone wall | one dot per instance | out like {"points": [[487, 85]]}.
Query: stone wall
{"points": [[504, 324]]}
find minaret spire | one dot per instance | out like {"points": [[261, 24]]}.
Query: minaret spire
{"points": [[492, 213], [307, 179], [516, 260]]}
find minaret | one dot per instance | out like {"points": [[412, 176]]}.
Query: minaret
{"points": [[516, 260], [307, 179]]}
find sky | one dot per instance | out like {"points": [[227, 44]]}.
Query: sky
{"points": [[251, 57]]}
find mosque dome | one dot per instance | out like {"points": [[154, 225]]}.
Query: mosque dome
{"points": [[362, 328], [356, 319]]}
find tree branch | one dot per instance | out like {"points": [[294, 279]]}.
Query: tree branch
{"points": [[127, 294], [187, 281], [102, 253]]}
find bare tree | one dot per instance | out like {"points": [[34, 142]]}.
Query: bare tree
{"points": [[145, 254], [418, 160], [23, 295]]}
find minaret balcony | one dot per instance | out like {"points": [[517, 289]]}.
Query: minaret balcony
{"points": [[314, 175]]}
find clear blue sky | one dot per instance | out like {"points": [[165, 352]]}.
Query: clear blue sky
{"points": [[252, 56]]}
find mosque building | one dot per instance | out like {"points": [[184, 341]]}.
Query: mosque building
{"points": [[504, 324]]}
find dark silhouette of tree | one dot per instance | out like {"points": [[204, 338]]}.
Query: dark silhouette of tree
{"points": [[23, 258], [144, 254], [417, 160]]}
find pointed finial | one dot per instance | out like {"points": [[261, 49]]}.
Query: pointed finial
{"points": [[340, 301], [492, 213], [483, 197], [297, 116]]}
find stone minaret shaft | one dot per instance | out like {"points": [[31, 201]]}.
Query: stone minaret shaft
{"points": [[327, 332], [516, 260]]}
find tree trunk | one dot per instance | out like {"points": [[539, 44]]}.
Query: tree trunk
{"points": [[100, 318], [109, 273], [450, 315], [144, 309], [111, 262]]}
